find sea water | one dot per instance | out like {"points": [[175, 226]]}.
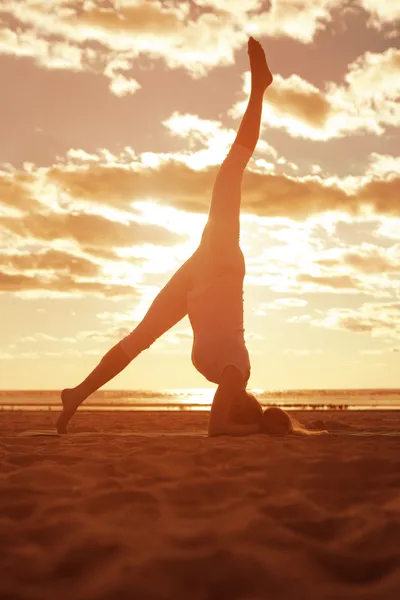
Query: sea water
{"points": [[201, 398]]}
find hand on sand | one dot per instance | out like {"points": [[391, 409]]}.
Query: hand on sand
{"points": [[260, 74]]}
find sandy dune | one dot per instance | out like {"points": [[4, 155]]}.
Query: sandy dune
{"points": [[105, 516]]}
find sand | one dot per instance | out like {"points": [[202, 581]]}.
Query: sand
{"points": [[98, 515]]}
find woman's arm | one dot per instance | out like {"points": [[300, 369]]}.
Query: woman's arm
{"points": [[220, 422]]}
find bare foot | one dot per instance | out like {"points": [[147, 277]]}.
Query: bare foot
{"points": [[70, 402], [260, 74]]}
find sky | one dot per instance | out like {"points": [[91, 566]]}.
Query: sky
{"points": [[114, 117]]}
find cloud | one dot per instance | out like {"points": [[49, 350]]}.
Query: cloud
{"points": [[173, 183], [75, 253], [141, 18], [373, 318], [136, 28], [298, 198], [168, 180], [341, 282], [65, 55], [361, 269], [381, 196], [112, 185], [366, 259], [296, 19], [119, 186], [208, 136], [303, 351], [236, 7], [383, 166], [120, 85], [388, 228], [15, 190], [382, 12], [375, 75], [301, 20], [49, 54], [51, 260], [367, 100], [196, 36], [300, 100], [40, 337], [112, 333], [292, 104], [280, 304], [299, 319], [208, 140], [60, 285], [89, 230], [290, 302], [308, 258]]}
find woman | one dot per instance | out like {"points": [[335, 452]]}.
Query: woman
{"points": [[243, 415], [208, 287]]}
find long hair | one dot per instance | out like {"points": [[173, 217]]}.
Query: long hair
{"points": [[273, 421], [277, 422]]}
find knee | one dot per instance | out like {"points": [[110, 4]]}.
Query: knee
{"points": [[136, 341]]}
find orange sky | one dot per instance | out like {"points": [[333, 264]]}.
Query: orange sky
{"points": [[114, 118]]}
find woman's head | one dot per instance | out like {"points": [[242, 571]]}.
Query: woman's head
{"points": [[275, 421], [246, 409]]}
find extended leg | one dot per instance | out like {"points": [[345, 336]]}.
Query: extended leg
{"points": [[168, 308], [223, 223]]}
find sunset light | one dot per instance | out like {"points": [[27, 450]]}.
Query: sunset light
{"points": [[199, 299]]}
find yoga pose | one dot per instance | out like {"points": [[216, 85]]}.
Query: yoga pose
{"points": [[209, 289]]}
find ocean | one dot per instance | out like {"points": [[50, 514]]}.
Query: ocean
{"points": [[201, 398]]}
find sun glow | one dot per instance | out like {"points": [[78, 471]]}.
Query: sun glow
{"points": [[175, 220], [122, 272]]}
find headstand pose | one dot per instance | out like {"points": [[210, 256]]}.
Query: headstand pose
{"points": [[209, 288]]}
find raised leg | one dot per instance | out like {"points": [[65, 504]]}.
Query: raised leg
{"points": [[224, 215]]}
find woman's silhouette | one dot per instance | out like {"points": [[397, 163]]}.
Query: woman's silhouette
{"points": [[208, 288]]}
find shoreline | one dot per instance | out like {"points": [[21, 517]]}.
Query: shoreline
{"points": [[179, 420], [178, 408]]}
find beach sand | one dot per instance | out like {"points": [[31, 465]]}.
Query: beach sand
{"points": [[99, 515]]}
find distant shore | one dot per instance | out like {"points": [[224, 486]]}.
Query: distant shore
{"points": [[187, 408], [200, 399]]}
